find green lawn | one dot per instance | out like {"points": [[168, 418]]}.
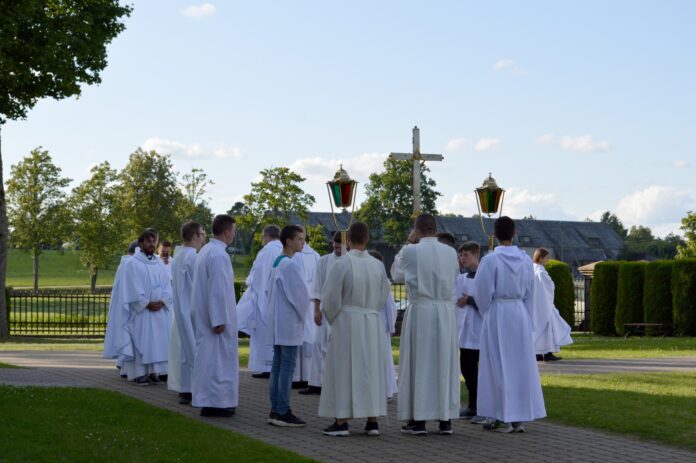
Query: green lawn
{"points": [[69, 424], [587, 346], [7, 365], [64, 269], [655, 406]]}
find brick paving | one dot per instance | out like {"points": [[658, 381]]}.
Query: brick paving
{"points": [[544, 441]]}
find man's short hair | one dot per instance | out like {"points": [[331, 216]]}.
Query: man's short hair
{"points": [[288, 233], [447, 238], [426, 225], [272, 231], [470, 246], [189, 229], [222, 223], [165, 244], [504, 228], [337, 237], [132, 246], [376, 254], [358, 233], [147, 233]]}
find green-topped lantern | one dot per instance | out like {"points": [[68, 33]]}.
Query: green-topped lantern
{"points": [[489, 198], [342, 191]]}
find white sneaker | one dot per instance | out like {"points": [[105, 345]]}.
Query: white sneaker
{"points": [[478, 419], [505, 428], [517, 427]]}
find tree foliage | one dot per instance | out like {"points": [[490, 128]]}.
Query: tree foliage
{"points": [[193, 205], [615, 223], [687, 249], [149, 196], [316, 238], [388, 206], [98, 228], [37, 211]]}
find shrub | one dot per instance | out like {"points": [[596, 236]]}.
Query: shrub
{"points": [[684, 296], [564, 295], [657, 293], [629, 295], [603, 298], [239, 288]]}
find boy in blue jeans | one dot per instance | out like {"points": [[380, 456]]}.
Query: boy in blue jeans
{"points": [[288, 303]]}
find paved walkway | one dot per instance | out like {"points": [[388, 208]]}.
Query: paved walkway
{"points": [[544, 441]]}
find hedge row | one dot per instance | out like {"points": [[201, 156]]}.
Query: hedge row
{"points": [[637, 292], [564, 294]]}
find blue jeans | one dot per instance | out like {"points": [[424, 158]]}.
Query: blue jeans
{"points": [[283, 368]]}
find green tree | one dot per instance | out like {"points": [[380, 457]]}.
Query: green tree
{"points": [[388, 207], [98, 228], [48, 49], [316, 238], [194, 203], [615, 223], [688, 248], [149, 196], [274, 199], [37, 209]]}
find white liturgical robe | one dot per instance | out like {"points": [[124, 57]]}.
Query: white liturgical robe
{"points": [[307, 259], [145, 280], [216, 367], [550, 330], [389, 319], [355, 383], [508, 384], [288, 300], [428, 358], [182, 284], [321, 341], [469, 318], [174, 351], [116, 339], [252, 307]]}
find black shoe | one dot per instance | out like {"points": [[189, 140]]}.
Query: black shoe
{"points": [[337, 430], [163, 378], [265, 375], [550, 357], [467, 413], [154, 379], [311, 390], [185, 398], [141, 381], [540, 358], [417, 428], [299, 385], [288, 420], [217, 412], [372, 428], [446, 428], [272, 416]]}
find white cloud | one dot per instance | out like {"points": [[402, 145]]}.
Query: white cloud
{"points": [[456, 144], [487, 144], [503, 64], [319, 169], [582, 144], [198, 11], [190, 151], [681, 164], [658, 207]]}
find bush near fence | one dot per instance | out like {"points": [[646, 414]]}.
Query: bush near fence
{"points": [[603, 298], [684, 296], [629, 295], [564, 292], [657, 294]]}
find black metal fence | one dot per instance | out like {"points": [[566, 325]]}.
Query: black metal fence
{"points": [[59, 312]]}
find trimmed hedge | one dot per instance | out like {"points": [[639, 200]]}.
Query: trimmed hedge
{"points": [[657, 293], [603, 298], [564, 294], [684, 296], [629, 295]]}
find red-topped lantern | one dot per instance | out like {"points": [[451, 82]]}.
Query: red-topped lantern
{"points": [[489, 199], [342, 191]]}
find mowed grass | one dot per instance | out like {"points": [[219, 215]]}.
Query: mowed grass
{"points": [[86, 425], [588, 346], [7, 365], [65, 269], [660, 407]]}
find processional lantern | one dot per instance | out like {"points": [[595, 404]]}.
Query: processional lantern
{"points": [[342, 190], [489, 199]]}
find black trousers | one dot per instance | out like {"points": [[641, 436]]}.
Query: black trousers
{"points": [[468, 363]]}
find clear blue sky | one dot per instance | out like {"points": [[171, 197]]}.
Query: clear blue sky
{"points": [[576, 107]]}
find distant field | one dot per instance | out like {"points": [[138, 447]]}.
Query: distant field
{"points": [[64, 269]]}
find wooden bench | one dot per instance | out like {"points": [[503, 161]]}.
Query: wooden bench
{"points": [[640, 328]]}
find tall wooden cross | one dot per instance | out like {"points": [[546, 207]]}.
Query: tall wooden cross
{"points": [[416, 157]]}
